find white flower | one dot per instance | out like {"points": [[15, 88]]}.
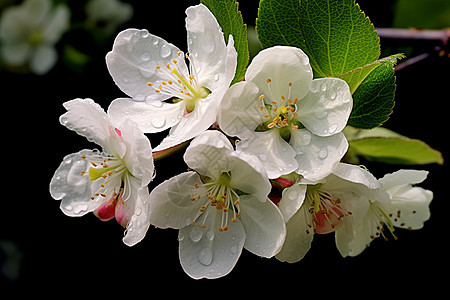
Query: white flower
{"points": [[291, 122], [108, 14], [334, 204], [406, 207], [151, 71], [28, 33], [219, 209], [109, 183]]}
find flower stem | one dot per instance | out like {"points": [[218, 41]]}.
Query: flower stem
{"points": [[158, 155]]}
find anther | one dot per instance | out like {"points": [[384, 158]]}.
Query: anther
{"points": [[268, 80]]}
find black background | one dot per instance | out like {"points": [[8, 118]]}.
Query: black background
{"points": [[68, 256]]}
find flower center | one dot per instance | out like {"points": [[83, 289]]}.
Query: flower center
{"points": [[219, 195], [380, 220], [327, 212], [178, 85], [109, 170], [281, 112]]}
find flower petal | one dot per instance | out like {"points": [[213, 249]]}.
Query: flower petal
{"points": [[208, 252], [240, 111], [150, 117], [276, 155], [207, 49], [88, 119], [403, 177], [194, 123], [292, 199], [298, 236], [170, 202], [138, 157], [317, 156], [282, 65], [74, 189], [249, 175], [264, 226], [43, 59], [133, 63], [209, 154], [137, 209], [326, 108]]}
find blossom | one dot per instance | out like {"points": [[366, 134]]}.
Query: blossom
{"points": [[110, 183], [165, 92], [220, 208], [28, 33], [334, 204], [406, 207], [291, 122], [108, 14]]}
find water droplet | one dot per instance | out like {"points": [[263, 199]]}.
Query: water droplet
{"points": [[333, 128], [293, 195], [144, 34], [323, 153], [304, 60], [158, 122], [333, 95], [145, 56], [305, 137], [324, 87], [210, 235], [165, 51], [138, 211], [69, 207], [216, 77], [80, 208], [262, 157], [233, 249], [68, 161], [155, 41], [196, 234], [205, 256]]}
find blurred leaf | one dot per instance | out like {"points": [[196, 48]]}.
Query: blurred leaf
{"points": [[384, 145], [429, 14], [230, 19]]}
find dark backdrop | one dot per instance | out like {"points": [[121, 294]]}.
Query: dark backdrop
{"points": [[66, 256]]}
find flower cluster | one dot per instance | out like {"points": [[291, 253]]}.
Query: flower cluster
{"points": [[267, 180]]}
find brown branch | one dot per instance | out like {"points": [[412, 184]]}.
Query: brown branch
{"points": [[442, 35]]}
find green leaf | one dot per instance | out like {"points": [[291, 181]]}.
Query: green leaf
{"points": [[373, 100], [356, 76], [386, 146], [335, 34], [230, 19]]}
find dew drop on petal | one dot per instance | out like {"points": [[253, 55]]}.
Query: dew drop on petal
{"points": [[196, 234], [323, 153], [165, 51], [205, 256], [293, 195], [158, 122], [333, 128], [262, 157]]}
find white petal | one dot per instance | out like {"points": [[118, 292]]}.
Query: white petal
{"points": [[74, 189], [56, 24], [326, 108], [317, 156], [137, 210], [413, 205], [298, 236], [402, 177], [292, 199], [249, 175], [194, 123], [16, 54], [132, 63], [209, 154], [276, 155], [207, 49], [150, 117], [282, 65], [43, 59], [264, 226], [208, 252], [138, 157], [240, 111], [88, 119], [356, 174], [170, 202]]}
